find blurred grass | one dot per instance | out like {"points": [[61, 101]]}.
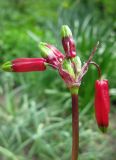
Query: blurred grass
{"points": [[35, 112]]}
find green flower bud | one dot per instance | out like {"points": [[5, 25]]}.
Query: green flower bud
{"points": [[45, 51], [68, 67], [77, 62], [65, 31]]}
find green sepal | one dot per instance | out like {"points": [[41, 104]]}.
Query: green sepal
{"points": [[103, 129], [7, 66], [68, 67], [77, 62], [65, 31]]}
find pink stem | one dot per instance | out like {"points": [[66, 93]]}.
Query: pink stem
{"points": [[93, 52], [98, 68], [75, 127]]}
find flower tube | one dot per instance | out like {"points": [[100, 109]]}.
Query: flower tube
{"points": [[102, 104], [25, 65]]}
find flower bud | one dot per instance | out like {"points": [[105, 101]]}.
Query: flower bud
{"points": [[52, 55], [76, 60], [67, 65], [102, 104], [59, 55], [25, 65], [68, 42]]}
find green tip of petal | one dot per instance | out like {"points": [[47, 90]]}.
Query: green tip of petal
{"points": [[65, 31], [7, 66], [45, 51], [67, 66], [77, 62], [103, 129], [42, 44]]}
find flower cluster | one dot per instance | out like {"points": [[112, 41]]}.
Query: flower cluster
{"points": [[70, 69]]}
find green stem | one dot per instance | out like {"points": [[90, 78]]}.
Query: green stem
{"points": [[75, 126]]}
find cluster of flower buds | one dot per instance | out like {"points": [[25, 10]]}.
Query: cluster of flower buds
{"points": [[102, 104], [69, 68]]}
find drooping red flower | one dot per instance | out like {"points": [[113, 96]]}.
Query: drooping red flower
{"points": [[102, 104]]}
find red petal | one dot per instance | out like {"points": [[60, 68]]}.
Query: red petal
{"points": [[102, 102], [28, 64]]}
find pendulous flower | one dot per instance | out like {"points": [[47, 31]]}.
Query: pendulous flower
{"points": [[102, 104]]}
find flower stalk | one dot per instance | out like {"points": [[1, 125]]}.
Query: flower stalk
{"points": [[75, 124]]}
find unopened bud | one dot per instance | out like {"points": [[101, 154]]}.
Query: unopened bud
{"points": [[52, 55], [45, 51], [65, 31], [68, 67], [68, 42], [77, 63]]}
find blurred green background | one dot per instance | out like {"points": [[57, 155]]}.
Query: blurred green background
{"points": [[35, 108]]}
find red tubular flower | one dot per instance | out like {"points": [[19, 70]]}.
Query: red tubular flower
{"points": [[28, 59], [102, 104], [25, 65], [68, 42]]}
